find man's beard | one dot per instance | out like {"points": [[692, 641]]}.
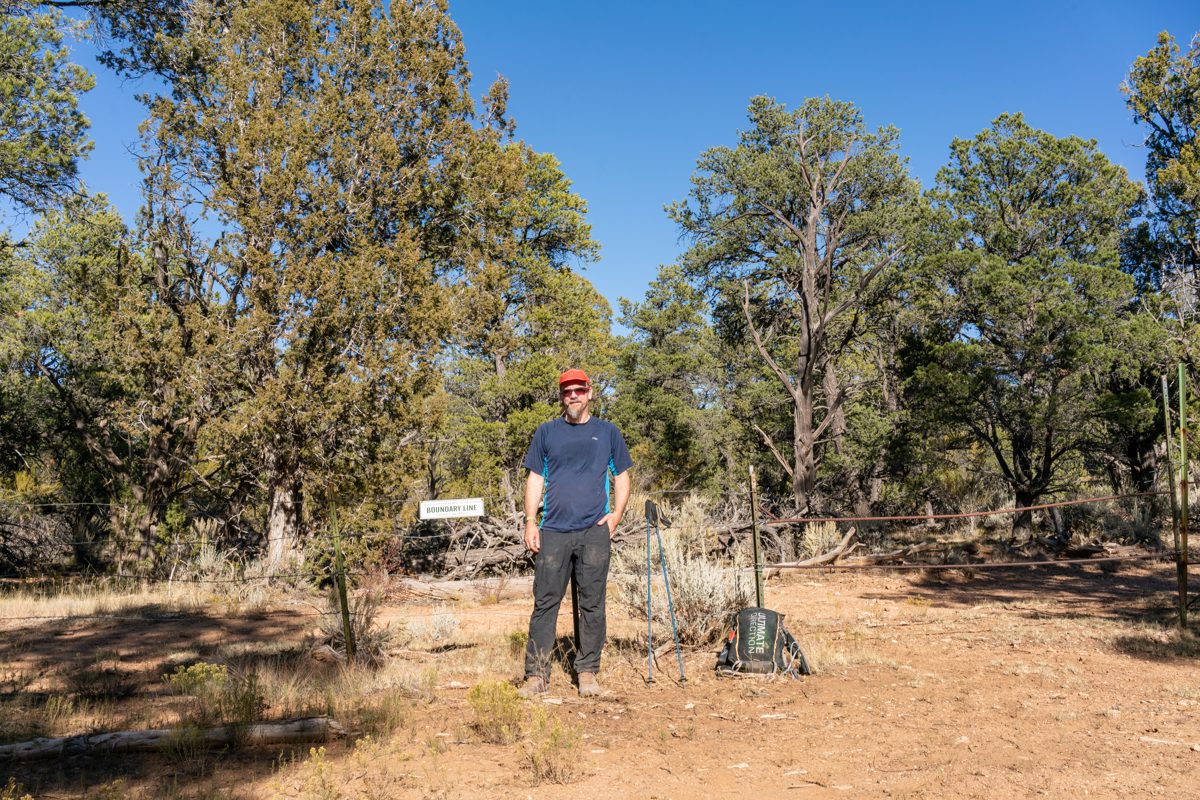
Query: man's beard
{"points": [[574, 415]]}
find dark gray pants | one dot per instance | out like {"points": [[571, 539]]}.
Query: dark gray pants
{"points": [[585, 552]]}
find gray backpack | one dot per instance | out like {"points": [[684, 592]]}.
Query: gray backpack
{"points": [[758, 644]]}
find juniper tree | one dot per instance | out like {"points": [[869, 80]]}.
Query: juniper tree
{"points": [[43, 134], [525, 316], [1032, 296], [111, 338], [330, 144], [669, 384]]}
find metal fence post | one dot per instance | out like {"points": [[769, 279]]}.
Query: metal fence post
{"points": [[339, 577]]}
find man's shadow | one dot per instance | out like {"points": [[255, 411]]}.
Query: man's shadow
{"points": [[564, 655]]}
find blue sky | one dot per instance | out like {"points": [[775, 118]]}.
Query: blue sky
{"points": [[627, 95]]}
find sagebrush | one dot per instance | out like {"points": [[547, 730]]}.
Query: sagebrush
{"points": [[704, 593]]}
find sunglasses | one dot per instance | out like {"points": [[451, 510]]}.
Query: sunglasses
{"points": [[583, 390]]}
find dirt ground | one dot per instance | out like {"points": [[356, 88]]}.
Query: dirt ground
{"points": [[1051, 681]]}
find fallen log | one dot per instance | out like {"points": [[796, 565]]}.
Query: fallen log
{"points": [[296, 731], [824, 558]]}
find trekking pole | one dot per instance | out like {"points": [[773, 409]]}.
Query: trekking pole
{"points": [[666, 580], [649, 611]]}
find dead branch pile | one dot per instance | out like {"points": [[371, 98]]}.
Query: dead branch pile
{"points": [[843, 548], [491, 545], [29, 540]]}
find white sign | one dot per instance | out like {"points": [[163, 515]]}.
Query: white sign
{"points": [[444, 509]]}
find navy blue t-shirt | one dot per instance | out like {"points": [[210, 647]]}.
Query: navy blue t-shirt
{"points": [[577, 462]]}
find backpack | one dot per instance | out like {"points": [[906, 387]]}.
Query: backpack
{"points": [[758, 644]]}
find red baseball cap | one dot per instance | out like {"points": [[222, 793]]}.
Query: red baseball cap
{"points": [[574, 376]]}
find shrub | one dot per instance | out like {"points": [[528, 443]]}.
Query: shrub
{"points": [[818, 539], [371, 641], [438, 628], [553, 748], [14, 791], [517, 640], [498, 711], [221, 696], [704, 594]]}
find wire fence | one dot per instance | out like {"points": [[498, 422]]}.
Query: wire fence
{"points": [[61, 581]]}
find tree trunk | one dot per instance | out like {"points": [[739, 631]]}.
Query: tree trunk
{"points": [[506, 489], [1142, 475], [149, 517], [1058, 521], [1023, 520], [804, 469], [284, 501]]}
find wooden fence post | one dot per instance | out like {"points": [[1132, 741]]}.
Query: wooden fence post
{"points": [[758, 570]]}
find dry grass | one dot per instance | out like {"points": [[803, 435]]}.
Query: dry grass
{"points": [[372, 640], [138, 599], [94, 600], [848, 649]]}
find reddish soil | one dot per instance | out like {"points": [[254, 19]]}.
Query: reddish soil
{"points": [[1057, 682]]}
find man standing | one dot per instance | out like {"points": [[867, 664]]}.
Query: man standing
{"points": [[571, 460]]}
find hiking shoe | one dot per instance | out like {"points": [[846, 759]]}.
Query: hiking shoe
{"points": [[587, 684], [534, 685]]}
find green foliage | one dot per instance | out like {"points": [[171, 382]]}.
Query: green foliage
{"points": [[43, 134], [1161, 91], [796, 235], [348, 124], [117, 346], [524, 317], [221, 695], [667, 400], [498, 711], [1032, 298], [1163, 252]]}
